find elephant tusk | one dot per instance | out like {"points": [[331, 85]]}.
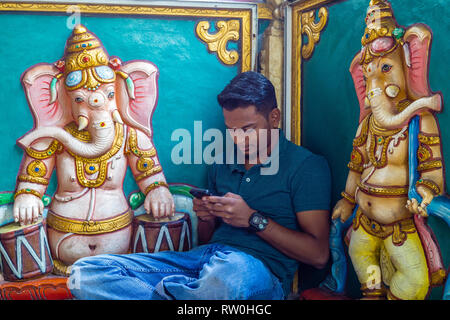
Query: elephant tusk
{"points": [[82, 122], [116, 116]]}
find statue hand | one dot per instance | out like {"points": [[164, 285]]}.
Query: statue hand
{"points": [[343, 210], [27, 209], [160, 203], [413, 205]]}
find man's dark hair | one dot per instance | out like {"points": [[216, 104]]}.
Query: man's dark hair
{"points": [[249, 88]]}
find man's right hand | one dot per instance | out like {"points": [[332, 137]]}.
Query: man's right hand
{"points": [[343, 210], [201, 210]]}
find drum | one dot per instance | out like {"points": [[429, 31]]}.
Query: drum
{"points": [[154, 235], [24, 251]]}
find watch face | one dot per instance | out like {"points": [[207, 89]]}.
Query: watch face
{"points": [[259, 222]]}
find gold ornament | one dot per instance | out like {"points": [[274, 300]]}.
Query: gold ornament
{"points": [[429, 139], [155, 185], [54, 147], [99, 164], [27, 191], [217, 42], [38, 180], [84, 53], [144, 164], [380, 23], [36, 168], [348, 197], [383, 191], [82, 135], [134, 149], [60, 268], [430, 165], [380, 136], [430, 185], [312, 30], [89, 227], [399, 230], [423, 153], [356, 161]]}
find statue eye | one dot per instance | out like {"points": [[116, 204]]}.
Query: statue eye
{"points": [[386, 68], [111, 95], [79, 100]]}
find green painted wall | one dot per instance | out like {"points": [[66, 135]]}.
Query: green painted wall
{"points": [[330, 109]]}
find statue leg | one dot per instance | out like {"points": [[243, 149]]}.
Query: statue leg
{"points": [[364, 251], [410, 280]]}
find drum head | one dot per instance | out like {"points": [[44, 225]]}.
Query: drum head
{"points": [[12, 227], [150, 218]]}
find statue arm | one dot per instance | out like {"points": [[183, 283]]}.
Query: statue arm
{"points": [[344, 207], [431, 167], [147, 171], [33, 179]]}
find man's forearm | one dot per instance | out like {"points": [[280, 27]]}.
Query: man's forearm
{"points": [[298, 245]]}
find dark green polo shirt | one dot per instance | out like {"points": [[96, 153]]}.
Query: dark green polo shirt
{"points": [[302, 183]]}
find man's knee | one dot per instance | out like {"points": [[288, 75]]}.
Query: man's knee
{"points": [[245, 275], [89, 272]]}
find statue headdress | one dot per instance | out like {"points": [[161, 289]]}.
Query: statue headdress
{"points": [[86, 64], [382, 34]]}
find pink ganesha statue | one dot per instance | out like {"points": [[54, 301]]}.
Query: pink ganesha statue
{"points": [[92, 118]]}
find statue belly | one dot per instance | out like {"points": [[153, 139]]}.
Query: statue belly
{"points": [[70, 247], [382, 208]]}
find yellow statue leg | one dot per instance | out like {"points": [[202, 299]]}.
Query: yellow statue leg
{"points": [[410, 280], [364, 251]]}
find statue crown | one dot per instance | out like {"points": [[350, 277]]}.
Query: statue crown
{"points": [[380, 24], [86, 61]]}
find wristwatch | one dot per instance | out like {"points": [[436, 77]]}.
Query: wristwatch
{"points": [[257, 221]]}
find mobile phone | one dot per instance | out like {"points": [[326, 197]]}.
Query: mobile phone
{"points": [[200, 193]]}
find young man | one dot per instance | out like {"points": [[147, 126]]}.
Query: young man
{"points": [[264, 222]]}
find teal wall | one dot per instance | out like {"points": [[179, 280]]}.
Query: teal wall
{"points": [[330, 109], [190, 79]]}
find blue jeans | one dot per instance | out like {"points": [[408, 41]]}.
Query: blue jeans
{"points": [[212, 271]]}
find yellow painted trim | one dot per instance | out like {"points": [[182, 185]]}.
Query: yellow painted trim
{"points": [[264, 12], [298, 10], [244, 14]]}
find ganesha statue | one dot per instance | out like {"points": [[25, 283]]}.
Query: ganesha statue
{"points": [[389, 235], [92, 116]]}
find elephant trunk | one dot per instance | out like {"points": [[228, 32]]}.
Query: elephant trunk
{"points": [[101, 140], [389, 118]]}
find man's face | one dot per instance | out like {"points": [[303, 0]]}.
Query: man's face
{"points": [[246, 125]]}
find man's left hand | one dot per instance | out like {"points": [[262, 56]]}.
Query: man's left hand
{"points": [[231, 208]]}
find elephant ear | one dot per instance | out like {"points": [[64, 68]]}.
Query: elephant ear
{"points": [[46, 105], [417, 40], [360, 85], [137, 98]]}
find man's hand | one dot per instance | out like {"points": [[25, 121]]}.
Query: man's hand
{"points": [[160, 203], [202, 210], [231, 208]]}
